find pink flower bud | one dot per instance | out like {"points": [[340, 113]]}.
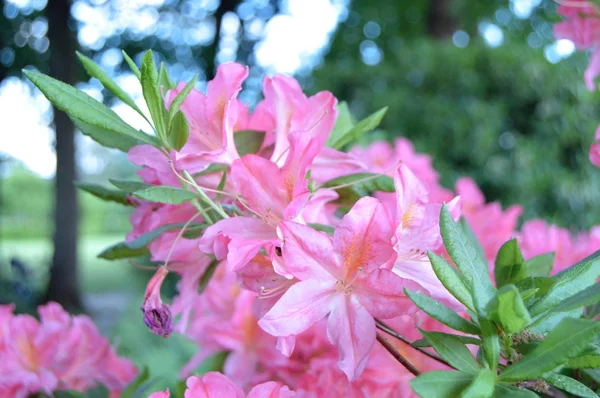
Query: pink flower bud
{"points": [[157, 315]]}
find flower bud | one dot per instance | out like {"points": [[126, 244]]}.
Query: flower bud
{"points": [[157, 315]]}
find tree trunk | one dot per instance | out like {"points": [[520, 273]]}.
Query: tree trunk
{"points": [[63, 285], [210, 52], [440, 21]]}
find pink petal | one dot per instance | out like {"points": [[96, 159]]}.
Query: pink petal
{"points": [[382, 293], [307, 254], [592, 71], [363, 238], [409, 190], [271, 389], [352, 329], [304, 304], [212, 385]]}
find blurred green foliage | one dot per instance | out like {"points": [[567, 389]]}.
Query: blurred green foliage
{"points": [[26, 210], [518, 124]]}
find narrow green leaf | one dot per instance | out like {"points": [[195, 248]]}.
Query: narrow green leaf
{"points": [[207, 275], [78, 105], [502, 391], [105, 137], [440, 312], [508, 310], [66, 394], [567, 340], [111, 195], [584, 362], [152, 94], [132, 66], [130, 389], [129, 186], [362, 184], [510, 264], [586, 297], [474, 268], [464, 224], [343, 124], [364, 126], [248, 141], [451, 279], [164, 80], [568, 282], [482, 386], [491, 343], [441, 383], [540, 265], [178, 132], [569, 385], [165, 194], [221, 186], [213, 168], [452, 350], [96, 71], [194, 231], [463, 339], [180, 98], [323, 228], [136, 247]]}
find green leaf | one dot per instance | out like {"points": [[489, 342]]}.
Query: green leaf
{"points": [[463, 339], [440, 312], [248, 141], [452, 350], [130, 389], [502, 391], [440, 383], [474, 268], [586, 297], [540, 265], [213, 168], [194, 231], [510, 264], [536, 286], [472, 237], [67, 394], [569, 385], [105, 137], [178, 132], [323, 228], [111, 195], [343, 124], [136, 247], [508, 310], [78, 105], [207, 276], [491, 343], [96, 71], [132, 65], [130, 186], [354, 186], [152, 94], [364, 126], [584, 362], [163, 78], [568, 282], [451, 279], [482, 386], [165, 194], [567, 340], [180, 98]]}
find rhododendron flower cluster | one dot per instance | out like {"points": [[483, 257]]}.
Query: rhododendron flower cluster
{"points": [[302, 261], [58, 352]]}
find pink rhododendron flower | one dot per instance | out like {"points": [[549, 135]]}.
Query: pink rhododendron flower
{"points": [[57, 352], [582, 27], [340, 279]]}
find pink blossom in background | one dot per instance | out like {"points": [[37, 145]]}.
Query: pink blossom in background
{"points": [[58, 352], [595, 149], [492, 225]]}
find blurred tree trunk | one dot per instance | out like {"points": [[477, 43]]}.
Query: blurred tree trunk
{"points": [[440, 21], [210, 52], [63, 285]]}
